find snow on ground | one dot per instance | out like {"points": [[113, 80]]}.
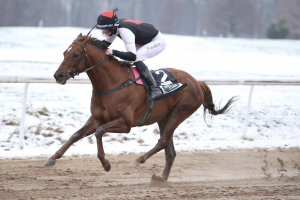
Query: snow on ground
{"points": [[55, 112]]}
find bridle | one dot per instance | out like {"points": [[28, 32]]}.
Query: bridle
{"points": [[74, 71]]}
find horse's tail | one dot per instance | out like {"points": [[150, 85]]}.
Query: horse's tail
{"points": [[208, 102]]}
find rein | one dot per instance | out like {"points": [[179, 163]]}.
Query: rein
{"points": [[73, 72]]}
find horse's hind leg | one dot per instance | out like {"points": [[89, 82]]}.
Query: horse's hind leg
{"points": [[178, 115], [170, 155], [86, 130], [170, 152]]}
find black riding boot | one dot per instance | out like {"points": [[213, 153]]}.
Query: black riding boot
{"points": [[146, 74]]}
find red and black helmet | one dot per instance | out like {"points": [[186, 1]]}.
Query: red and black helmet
{"points": [[107, 20]]}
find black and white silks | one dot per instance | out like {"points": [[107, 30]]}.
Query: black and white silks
{"points": [[142, 40]]}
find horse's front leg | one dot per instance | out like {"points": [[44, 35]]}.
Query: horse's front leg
{"points": [[87, 129], [116, 126]]}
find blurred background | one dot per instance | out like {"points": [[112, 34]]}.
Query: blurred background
{"points": [[218, 18]]}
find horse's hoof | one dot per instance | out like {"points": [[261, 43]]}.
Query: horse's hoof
{"points": [[158, 178], [49, 163], [107, 167], [158, 181], [134, 164]]}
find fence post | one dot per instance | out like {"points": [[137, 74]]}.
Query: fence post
{"points": [[21, 131], [247, 112]]}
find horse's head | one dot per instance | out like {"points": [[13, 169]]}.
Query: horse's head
{"points": [[75, 61]]}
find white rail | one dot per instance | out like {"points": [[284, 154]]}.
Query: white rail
{"points": [[208, 80]]}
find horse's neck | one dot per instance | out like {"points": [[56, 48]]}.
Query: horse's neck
{"points": [[105, 76]]}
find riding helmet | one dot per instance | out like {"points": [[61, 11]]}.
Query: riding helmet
{"points": [[107, 20]]}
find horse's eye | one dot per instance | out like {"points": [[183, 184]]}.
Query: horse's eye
{"points": [[76, 55]]}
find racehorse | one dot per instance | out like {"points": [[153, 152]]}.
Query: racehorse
{"points": [[122, 109]]}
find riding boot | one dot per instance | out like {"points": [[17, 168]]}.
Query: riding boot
{"points": [[146, 74]]}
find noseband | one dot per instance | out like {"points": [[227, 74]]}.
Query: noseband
{"points": [[73, 72]]}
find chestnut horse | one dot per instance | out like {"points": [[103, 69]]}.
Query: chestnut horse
{"points": [[119, 111]]}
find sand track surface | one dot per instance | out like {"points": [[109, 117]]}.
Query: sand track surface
{"points": [[238, 174]]}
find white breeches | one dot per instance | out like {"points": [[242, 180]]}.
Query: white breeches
{"points": [[153, 48]]}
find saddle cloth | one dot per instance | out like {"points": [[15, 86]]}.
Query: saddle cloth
{"points": [[164, 80]]}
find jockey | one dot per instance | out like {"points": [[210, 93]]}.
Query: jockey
{"points": [[142, 41]]}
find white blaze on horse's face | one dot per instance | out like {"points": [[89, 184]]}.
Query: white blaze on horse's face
{"points": [[69, 49]]}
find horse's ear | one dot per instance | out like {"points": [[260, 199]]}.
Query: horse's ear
{"points": [[80, 35], [87, 40]]}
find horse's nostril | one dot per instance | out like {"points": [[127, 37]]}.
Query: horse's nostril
{"points": [[60, 76]]}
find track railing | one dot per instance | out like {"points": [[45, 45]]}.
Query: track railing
{"points": [[209, 80]]}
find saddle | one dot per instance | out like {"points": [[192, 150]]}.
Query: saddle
{"points": [[164, 80]]}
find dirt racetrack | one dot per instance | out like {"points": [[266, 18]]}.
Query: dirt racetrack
{"points": [[239, 174]]}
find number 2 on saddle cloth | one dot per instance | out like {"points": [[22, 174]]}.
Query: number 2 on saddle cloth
{"points": [[164, 80]]}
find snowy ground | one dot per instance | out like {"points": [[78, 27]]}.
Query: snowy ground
{"points": [[55, 112]]}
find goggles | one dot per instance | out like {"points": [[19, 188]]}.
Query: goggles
{"points": [[107, 26]]}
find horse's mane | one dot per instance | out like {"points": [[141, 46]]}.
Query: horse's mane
{"points": [[100, 44]]}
